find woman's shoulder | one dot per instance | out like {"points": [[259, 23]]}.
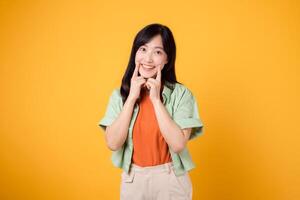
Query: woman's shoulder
{"points": [[181, 90], [115, 94], [117, 91]]}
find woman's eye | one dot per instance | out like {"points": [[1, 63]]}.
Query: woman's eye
{"points": [[142, 49], [158, 52]]}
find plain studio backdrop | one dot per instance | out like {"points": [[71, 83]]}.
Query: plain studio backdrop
{"points": [[60, 61]]}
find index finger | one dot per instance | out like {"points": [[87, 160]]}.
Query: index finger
{"points": [[158, 76], [136, 69]]}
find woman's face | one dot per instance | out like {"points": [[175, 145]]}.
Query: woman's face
{"points": [[151, 56]]}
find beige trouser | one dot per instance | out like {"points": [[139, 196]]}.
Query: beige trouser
{"points": [[155, 183]]}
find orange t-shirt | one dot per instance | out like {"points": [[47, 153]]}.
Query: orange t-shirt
{"points": [[149, 146]]}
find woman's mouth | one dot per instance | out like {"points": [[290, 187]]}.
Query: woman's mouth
{"points": [[148, 67]]}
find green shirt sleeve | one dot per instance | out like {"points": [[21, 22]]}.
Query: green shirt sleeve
{"points": [[112, 111], [186, 114]]}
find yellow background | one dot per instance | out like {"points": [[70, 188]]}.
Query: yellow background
{"points": [[60, 60]]}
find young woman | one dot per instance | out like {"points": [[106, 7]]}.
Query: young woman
{"points": [[150, 119]]}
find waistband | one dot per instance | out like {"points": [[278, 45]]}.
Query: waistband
{"points": [[157, 168]]}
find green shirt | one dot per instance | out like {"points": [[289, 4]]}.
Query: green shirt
{"points": [[183, 109]]}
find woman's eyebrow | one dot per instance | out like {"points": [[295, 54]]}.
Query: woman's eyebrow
{"points": [[158, 47]]}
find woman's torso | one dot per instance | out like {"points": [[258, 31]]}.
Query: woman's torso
{"points": [[149, 146]]}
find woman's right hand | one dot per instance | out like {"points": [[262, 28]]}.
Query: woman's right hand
{"points": [[136, 83]]}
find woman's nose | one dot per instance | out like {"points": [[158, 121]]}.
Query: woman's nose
{"points": [[148, 57]]}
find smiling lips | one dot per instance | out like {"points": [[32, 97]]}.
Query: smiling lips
{"points": [[147, 67]]}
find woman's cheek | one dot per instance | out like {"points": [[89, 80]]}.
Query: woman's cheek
{"points": [[138, 57]]}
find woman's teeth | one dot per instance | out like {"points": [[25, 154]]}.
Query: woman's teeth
{"points": [[147, 67]]}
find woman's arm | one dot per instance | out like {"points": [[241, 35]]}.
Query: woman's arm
{"points": [[173, 134], [116, 133]]}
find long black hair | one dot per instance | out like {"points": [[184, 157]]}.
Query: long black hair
{"points": [[168, 72]]}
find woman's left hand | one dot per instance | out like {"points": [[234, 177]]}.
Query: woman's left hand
{"points": [[155, 85]]}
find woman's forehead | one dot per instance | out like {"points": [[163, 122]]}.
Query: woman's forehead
{"points": [[155, 42]]}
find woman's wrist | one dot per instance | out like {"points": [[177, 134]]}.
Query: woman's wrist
{"points": [[156, 102], [130, 100]]}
